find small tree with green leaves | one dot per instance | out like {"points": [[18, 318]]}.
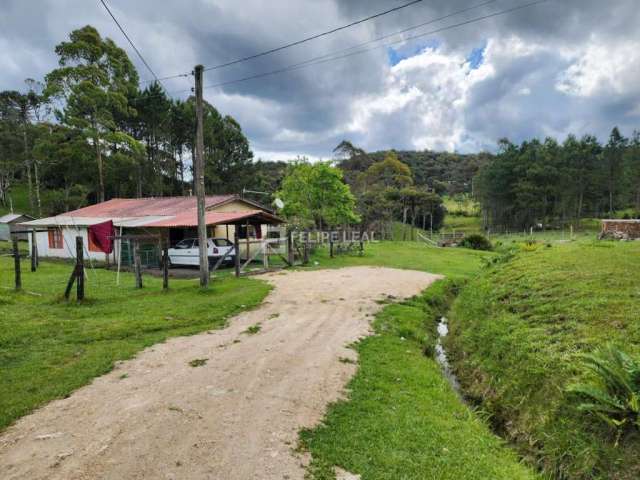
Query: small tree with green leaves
{"points": [[315, 195]]}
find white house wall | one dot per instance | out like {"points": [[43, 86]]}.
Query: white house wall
{"points": [[68, 244]]}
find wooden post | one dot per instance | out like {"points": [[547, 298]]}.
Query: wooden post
{"points": [[79, 268], [136, 264], [247, 240], [236, 248], [265, 255], [34, 252], [305, 249], [199, 181], [16, 263], [290, 252], [165, 267]]}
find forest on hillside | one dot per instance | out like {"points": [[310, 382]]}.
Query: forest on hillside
{"points": [[547, 183]]}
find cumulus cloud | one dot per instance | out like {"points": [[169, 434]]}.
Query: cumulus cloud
{"points": [[563, 66]]}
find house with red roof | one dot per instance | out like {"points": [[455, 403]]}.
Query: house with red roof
{"points": [[156, 219]]}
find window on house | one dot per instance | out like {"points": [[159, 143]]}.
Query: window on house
{"points": [[242, 231], [55, 239]]}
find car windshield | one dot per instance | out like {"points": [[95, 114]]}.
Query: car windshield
{"points": [[221, 242], [184, 244]]}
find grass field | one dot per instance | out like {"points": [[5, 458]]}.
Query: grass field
{"points": [[402, 419], [48, 347], [515, 333], [461, 203], [455, 263]]}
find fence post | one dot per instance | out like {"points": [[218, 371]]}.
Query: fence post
{"points": [[137, 265], [236, 249], [265, 254], [330, 247], [79, 268], [290, 252], [16, 263], [165, 267], [305, 249], [34, 252]]}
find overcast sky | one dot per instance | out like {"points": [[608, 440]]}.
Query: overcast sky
{"points": [[559, 67]]}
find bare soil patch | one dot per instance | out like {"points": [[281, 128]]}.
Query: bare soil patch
{"points": [[219, 405]]}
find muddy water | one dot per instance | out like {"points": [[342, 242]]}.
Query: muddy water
{"points": [[441, 356]]}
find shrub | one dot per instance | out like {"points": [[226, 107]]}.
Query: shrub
{"points": [[476, 242], [612, 392]]}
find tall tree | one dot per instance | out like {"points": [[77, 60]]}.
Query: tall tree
{"points": [[93, 82], [613, 160], [28, 109], [633, 161]]}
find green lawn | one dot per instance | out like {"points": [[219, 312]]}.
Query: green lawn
{"points": [[453, 262], [49, 347], [402, 419], [515, 333]]}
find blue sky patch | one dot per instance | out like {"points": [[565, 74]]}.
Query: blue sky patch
{"points": [[396, 55], [476, 57]]}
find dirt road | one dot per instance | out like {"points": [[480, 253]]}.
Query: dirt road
{"points": [[235, 417]]}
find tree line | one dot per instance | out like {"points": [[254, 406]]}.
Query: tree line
{"points": [[547, 183], [88, 132], [372, 192]]}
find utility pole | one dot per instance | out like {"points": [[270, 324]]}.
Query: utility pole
{"points": [[199, 181]]}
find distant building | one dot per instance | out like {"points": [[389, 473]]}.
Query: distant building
{"points": [[621, 229], [168, 218], [10, 223]]}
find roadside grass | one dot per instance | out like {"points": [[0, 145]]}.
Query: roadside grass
{"points": [[402, 419], [49, 347], [515, 334], [453, 262]]}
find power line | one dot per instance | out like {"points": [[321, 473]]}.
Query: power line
{"points": [[331, 56], [458, 12], [313, 37], [130, 42]]}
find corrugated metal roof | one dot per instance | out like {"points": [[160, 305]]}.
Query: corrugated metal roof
{"points": [[190, 219], [68, 221], [184, 219], [11, 217], [142, 207]]}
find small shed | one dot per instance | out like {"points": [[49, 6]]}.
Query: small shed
{"points": [[10, 223], [621, 229]]}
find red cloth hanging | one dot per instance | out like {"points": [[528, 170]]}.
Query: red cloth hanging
{"points": [[102, 234], [258, 229]]}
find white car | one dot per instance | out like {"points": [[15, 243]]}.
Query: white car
{"points": [[186, 252]]}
